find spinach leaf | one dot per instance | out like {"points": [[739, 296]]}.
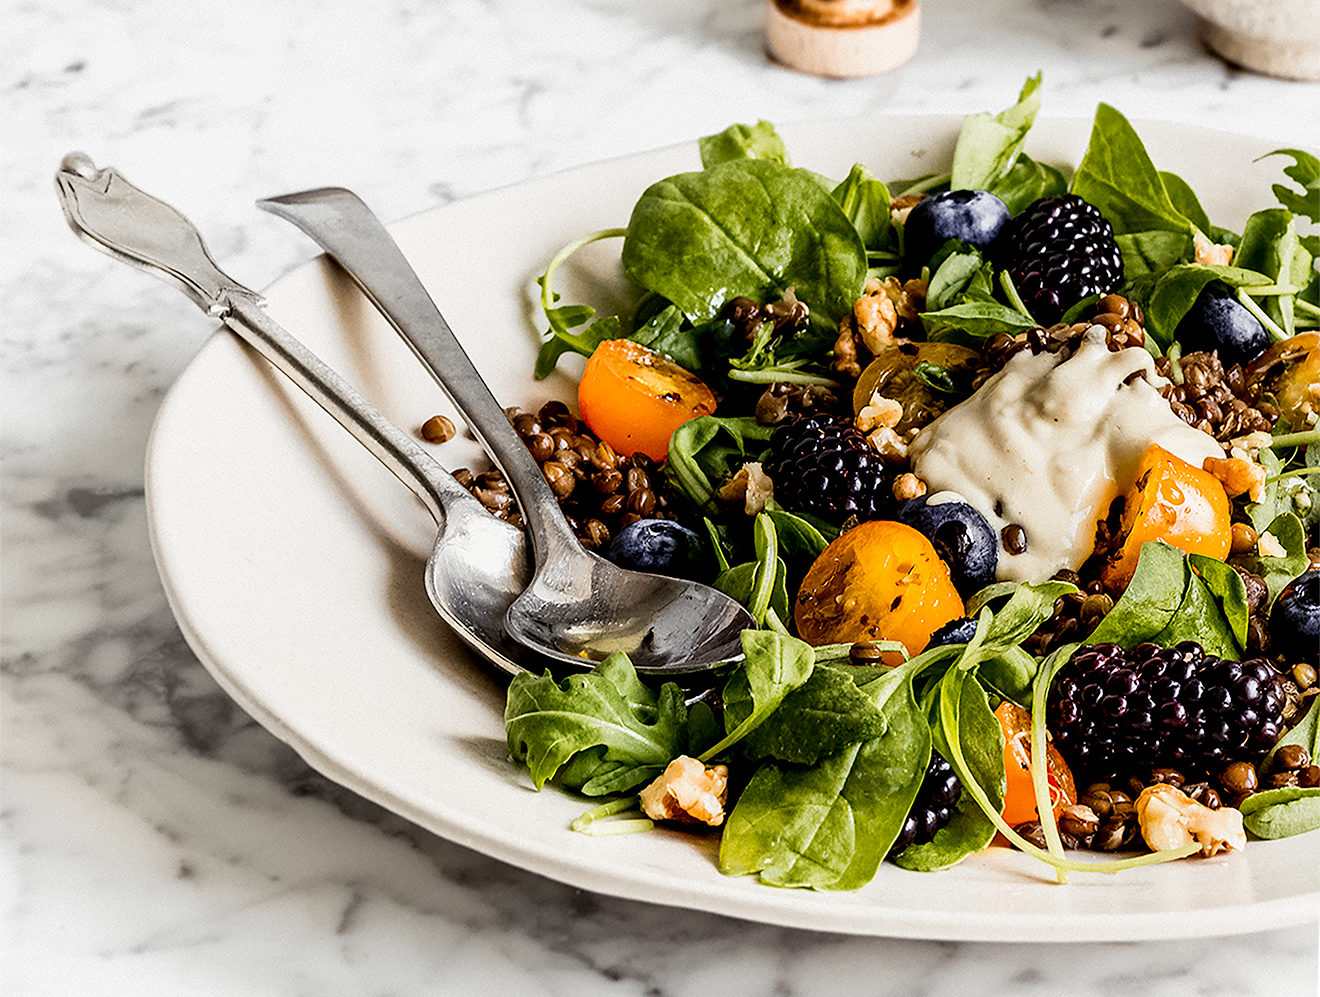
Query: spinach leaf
{"points": [[801, 535], [1175, 291], [865, 200], [988, 144], [822, 716], [1117, 176], [702, 453], [748, 227], [694, 348], [829, 826], [631, 732], [1167, 602], [1229, 591], [773, 666], [1283, 812], [977, 319], [1027, 181], [1148, 253], [1306, 171], [1184, 199], [1270, 246], [758, 141], [760, 584], [965, 719], [952, 278]]}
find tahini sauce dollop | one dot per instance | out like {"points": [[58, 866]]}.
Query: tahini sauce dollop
{"points": [[1049, 443]]}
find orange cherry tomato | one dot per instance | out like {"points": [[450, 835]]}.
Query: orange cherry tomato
{"points": [[634, 398], [879, 581], [1171, 501], [1020, 792]]}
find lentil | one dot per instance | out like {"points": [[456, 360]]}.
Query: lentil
{"points": [[438, 429]]}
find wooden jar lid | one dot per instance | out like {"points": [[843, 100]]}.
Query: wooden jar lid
{"points": [[842, 38]]}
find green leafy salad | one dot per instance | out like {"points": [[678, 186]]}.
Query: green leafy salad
{"points": [[1015, 468]]}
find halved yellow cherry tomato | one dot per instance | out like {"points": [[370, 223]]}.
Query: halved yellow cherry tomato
{"points": [[879, 581], [1020, 791], [634, 398], [1171, 501]]}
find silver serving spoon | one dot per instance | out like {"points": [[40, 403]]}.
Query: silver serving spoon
{"points": [[479, 564], [578, 605]]}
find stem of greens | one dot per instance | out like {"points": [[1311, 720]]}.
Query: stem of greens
{"points": [[586, 824], [1306, 306], [1300, 438], [1175, 368], [773, 622], [1040, 779], [1276, 334], [1299, 472], [772, 376]]}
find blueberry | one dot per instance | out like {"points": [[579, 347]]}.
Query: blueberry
{"points": [[1218, 321], [1295, 618], [974, 216], [660, 546], [958, 631], [961, 536]]}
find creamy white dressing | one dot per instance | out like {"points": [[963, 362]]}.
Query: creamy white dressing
{"points": [[1048, 445]]}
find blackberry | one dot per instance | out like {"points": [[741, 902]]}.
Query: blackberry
{"points": [[933, 807], [824, 466], [1116, 714], [1059, 251]]}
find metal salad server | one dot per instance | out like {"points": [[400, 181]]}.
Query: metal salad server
{"points": [[479, 564], [578, 605]]}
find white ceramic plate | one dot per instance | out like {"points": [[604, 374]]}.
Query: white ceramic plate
{"points": [[294, 564]]}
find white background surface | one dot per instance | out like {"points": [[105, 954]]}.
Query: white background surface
{"points": [[155, 839]]}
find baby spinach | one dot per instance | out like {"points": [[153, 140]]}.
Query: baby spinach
{"points": [[1270, 246], [969, 736], [1028, 181], [1117, 176], [988, 145], [865, 200], [830, 826], [1279, 570], [762, 583], [1305, 733], [1175, 290], [1146, 254], [751, 227], [703, 452], [1167, 602], [629, 732], [1184, 200], [1283, 812], [758, 141], [822, 716], [773, 666]]}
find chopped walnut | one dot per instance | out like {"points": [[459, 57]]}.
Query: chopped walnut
{"points": [[900, 207], [1169, 818], [1249, 445], [688, 792], [888, 444], [1268, 545], [908, 486], [751, 486], [874, 320], [1211, 253], [1238, 475], [879, 413]]}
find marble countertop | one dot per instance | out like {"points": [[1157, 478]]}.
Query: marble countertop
{"points": [[156, 839]]}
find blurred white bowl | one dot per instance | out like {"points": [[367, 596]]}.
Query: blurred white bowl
{"points": [[1276, 37]]}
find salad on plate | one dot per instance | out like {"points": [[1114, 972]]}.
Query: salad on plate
{"points": [[1015, 466]]}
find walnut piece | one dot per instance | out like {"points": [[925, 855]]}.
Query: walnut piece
{"points": [[1211, 253], [688, 792], [751, 486], [908, 486], [1238, 475], [1169, 818], [879, 413], [875, 318]]}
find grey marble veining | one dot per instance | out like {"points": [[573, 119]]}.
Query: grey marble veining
{"points": [[156, 839]]}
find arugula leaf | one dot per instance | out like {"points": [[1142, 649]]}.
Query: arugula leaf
{"points": [[830, 826], [824, 715], [564, 319], [1027, 181], [1306, 171], [1282, 812], [1270, 246], [1176, 289], [1117, 176], [865, 200], [631, 732], [750, 227], [758, 141], [988, 144], [965, 720]]}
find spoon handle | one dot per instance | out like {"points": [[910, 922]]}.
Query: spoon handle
{"points": [[117, 218], [354, 237]]}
